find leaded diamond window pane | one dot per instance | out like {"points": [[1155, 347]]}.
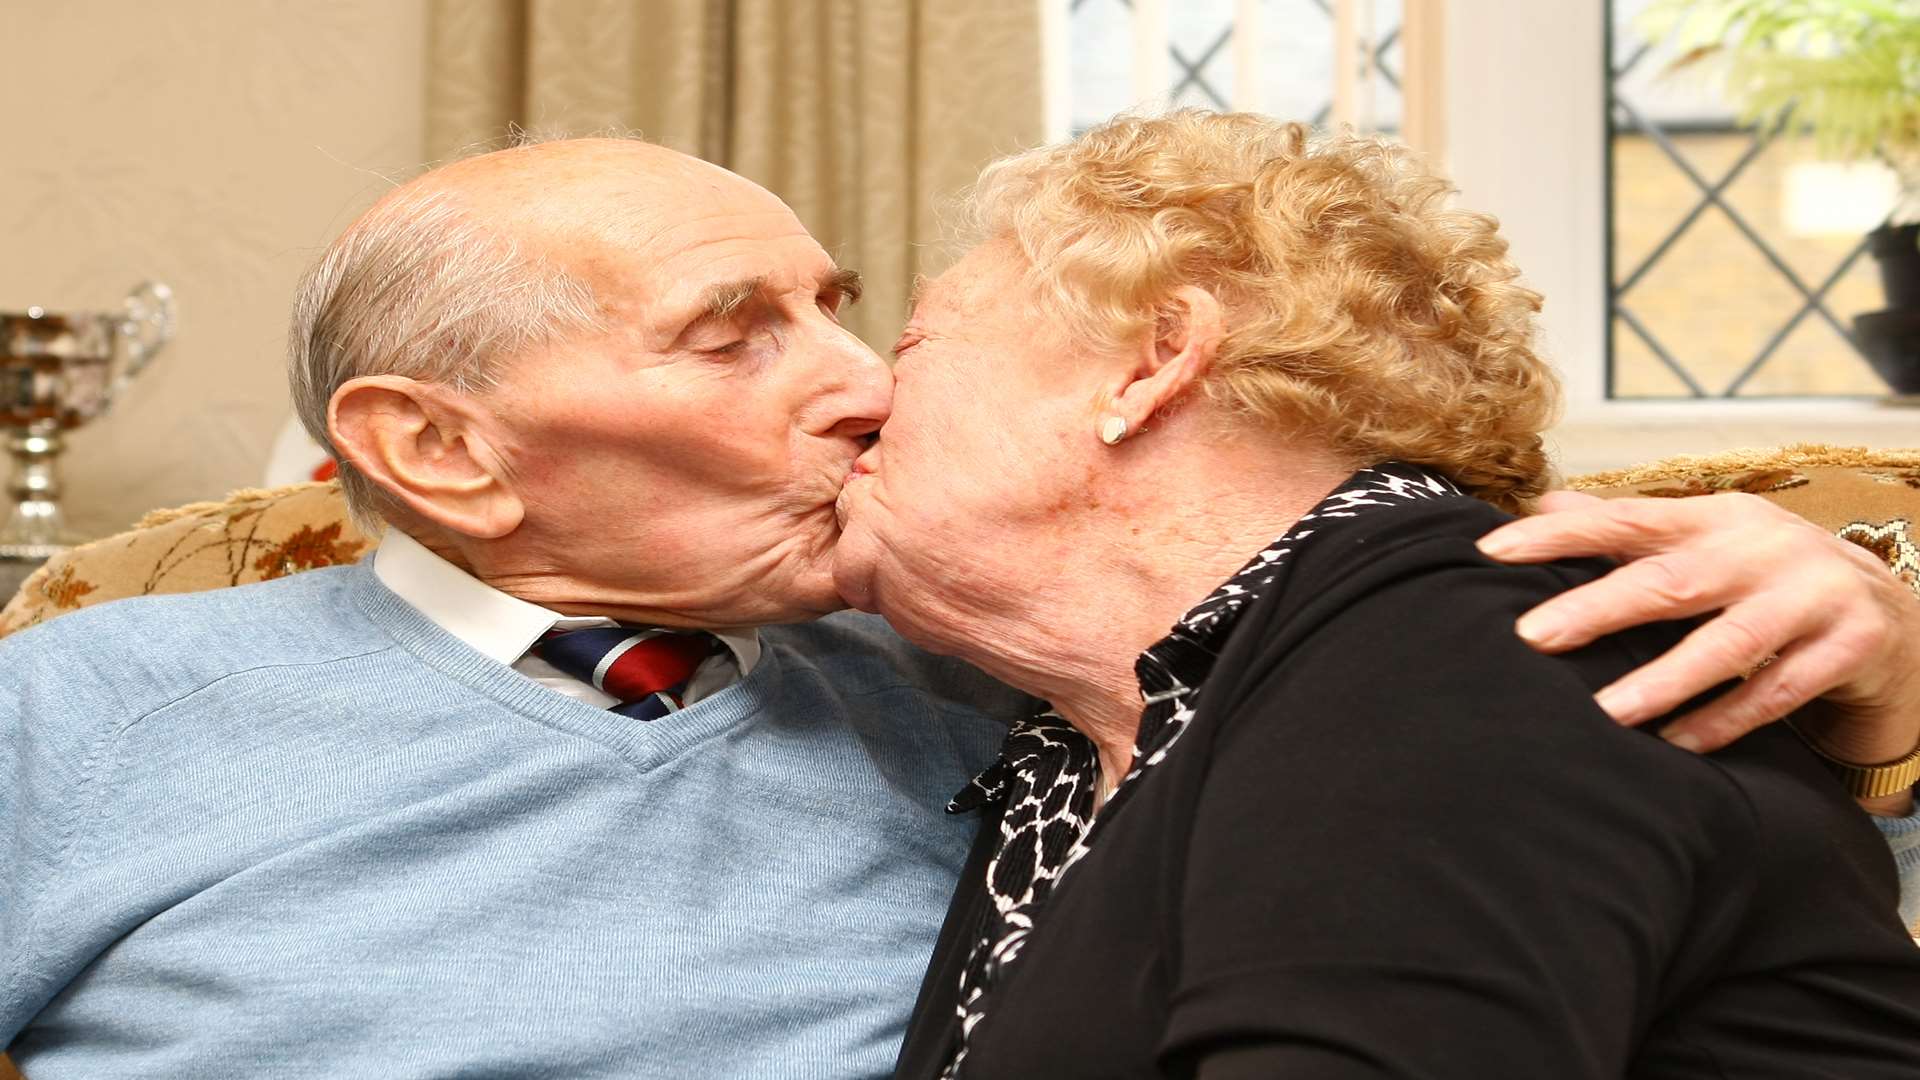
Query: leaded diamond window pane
{"points": [[1199, 35], [1294, 82], [1296, 47], [1737, 261], [1387, 66]]}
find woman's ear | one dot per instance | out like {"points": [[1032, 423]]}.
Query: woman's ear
{"points": [[416, 441], [1182, 349]]}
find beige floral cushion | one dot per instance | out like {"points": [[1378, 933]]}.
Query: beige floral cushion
{"points": [[251, 536]]}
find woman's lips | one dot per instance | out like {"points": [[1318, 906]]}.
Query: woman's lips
{"points": [[862, 467]]}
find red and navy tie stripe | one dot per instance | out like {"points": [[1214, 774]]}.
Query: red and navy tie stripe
{"points": [[647, 670]]}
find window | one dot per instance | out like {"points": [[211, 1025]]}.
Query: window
{"points": [[1737, 261], [1272, 56], [1513, 101]]}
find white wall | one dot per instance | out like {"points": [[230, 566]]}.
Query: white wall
{"points": [[215, 145], [1525, 141]]}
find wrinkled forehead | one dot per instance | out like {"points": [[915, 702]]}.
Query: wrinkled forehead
{"points": [[692, 245], [636, 222], [649, 256], [986, 281]]}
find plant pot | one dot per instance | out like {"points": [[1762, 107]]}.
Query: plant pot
{"points": [[1891, 340], [1897, 249]]}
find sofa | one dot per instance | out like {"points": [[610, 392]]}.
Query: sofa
{"points": [[1869, 497]]}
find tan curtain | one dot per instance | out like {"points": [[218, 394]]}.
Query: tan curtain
{"points": [[866, 116]]}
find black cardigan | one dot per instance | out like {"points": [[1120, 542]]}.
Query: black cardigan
{"points": [[1397, 842]]}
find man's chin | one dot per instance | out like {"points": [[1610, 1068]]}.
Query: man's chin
{"points": [[804, 605]]}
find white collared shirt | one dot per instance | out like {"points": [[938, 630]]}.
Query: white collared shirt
{"points": [[504, 627]]}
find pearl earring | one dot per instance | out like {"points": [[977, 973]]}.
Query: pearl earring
{"points": [[1113, 429]]}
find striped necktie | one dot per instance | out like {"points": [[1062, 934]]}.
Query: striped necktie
{"points": [[647, 670]]}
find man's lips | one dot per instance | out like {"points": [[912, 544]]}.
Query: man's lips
{"points": [[866, 464]]}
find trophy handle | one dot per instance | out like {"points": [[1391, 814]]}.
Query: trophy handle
{"points": [[148, 324]]}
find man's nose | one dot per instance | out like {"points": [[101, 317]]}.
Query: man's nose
{"points": [[862, 396]]}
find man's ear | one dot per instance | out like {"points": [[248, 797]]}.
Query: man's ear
{"points": [[1182, 349], [415, 440]]}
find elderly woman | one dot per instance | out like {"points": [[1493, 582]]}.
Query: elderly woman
{"points": [[1339, 821]]}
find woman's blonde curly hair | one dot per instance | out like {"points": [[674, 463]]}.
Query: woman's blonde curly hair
{"points": [[1360, 308]]}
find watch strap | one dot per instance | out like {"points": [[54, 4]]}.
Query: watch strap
{"points": [[1870, 781]]}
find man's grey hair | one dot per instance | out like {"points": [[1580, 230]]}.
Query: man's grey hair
{"points": [[421, 289]]}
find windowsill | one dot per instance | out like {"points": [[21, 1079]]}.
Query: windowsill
{"points": [[1613, 435]]}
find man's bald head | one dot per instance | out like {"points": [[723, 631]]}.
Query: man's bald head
{"points": [[483, 259], [598, 375], [560, 194]]}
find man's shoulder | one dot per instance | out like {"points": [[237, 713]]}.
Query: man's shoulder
{"points": [[860, 654], [306, 599], [165, 645]]}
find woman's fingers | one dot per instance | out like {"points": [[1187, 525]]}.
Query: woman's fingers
{"points": [[1652, 589], [1752, 705], [1680, 562], [1742, 640], [1841, 626], [1775, 690], [1570, 525]]}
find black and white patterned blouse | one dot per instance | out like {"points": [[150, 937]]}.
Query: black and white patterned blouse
{"points": [[1049, 774]]}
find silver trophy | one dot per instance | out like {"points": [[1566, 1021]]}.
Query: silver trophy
{"points": [[56, 373]]}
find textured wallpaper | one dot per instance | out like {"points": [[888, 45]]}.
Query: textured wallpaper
{"points": [[216, 146]]}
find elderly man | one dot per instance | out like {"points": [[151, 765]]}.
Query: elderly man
{"points": [[564, 781]]}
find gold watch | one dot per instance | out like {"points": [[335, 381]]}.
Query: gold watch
{"points": [[1870, 781]]}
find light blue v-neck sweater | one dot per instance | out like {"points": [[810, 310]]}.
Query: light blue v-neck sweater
{"points": [[296, 829]]}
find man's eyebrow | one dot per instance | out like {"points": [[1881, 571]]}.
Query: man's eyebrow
{"points": [[847, 283], [722, 302]]}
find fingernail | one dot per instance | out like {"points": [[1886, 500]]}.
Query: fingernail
{"points": [[1540, 628], [1623, 703], [1685, 740], [1496, 545]]}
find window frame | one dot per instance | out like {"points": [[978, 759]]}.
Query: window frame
{"points": [[1492, 67], [1544, 68]]}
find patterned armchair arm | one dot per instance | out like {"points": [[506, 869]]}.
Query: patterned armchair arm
{"points": [[250, 536]]}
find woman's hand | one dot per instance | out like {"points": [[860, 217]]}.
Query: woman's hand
{"points": [[1808, 614]]}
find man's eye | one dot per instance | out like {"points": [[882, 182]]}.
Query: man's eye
{"points": [[831, 302], [728, 349]]}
